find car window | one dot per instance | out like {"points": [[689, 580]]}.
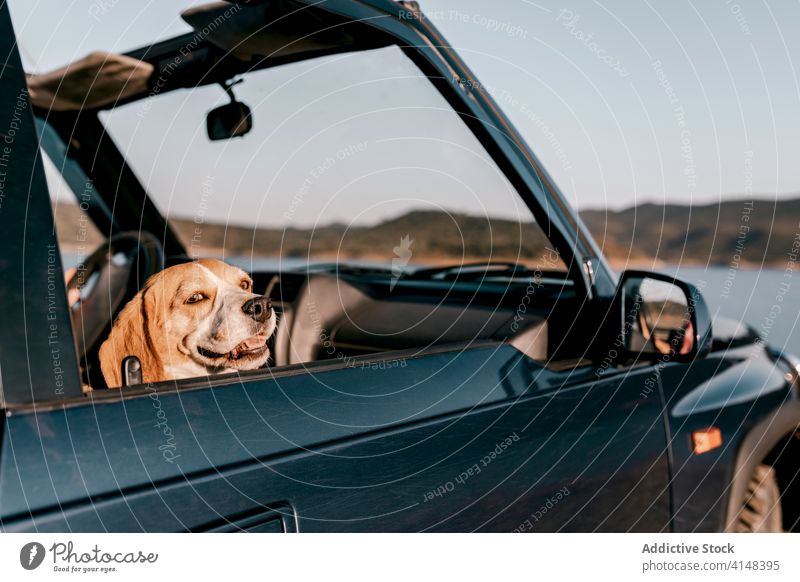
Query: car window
{"points": [[353, 157]]}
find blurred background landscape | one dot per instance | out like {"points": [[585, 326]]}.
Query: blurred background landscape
{"points": [[739, 233]]}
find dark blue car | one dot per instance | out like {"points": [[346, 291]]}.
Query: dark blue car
{"points": [[453, 352]]}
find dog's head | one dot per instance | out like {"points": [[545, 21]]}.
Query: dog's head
{"points": [[189, 320]]}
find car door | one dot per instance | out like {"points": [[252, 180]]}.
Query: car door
{"points": [[474, 438]]}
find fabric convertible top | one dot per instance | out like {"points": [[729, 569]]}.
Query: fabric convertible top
{"points": [[278, 29]]}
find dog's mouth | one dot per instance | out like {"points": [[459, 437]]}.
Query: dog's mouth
{"points": [[252, 346]]}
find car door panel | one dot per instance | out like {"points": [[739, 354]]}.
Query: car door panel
{"points": [[52, 458], [349, 449]]}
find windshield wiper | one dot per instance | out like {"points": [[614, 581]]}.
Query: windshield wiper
{"points": [[347, 268], [482, 270], [489, 270]]}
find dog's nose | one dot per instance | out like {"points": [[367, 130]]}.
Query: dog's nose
{"points": [[259, 308]]}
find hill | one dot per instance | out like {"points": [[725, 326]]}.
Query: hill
{"points": [[747, 232]]}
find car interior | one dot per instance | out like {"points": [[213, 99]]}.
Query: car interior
{"points": [[328, 310], [340, 313]]}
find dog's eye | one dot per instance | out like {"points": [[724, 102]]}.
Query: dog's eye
{"points": [[195, 298], [245, 285]]}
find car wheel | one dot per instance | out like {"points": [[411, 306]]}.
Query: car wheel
{"points": [[761, 510]]}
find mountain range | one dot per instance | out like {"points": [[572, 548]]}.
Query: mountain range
{"points": [[745, 232]]}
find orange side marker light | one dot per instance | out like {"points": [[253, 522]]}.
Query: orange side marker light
{"points": [[706, 440]]}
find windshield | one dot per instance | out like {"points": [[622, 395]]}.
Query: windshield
{"points": [[351, 158]]}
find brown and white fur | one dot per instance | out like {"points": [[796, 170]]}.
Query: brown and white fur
{"points": [[191, 320]]}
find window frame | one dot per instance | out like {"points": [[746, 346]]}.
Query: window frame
{"points": [[444, 69]]}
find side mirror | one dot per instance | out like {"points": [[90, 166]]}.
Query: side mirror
{"points": [[662, 318], [230, 120]]}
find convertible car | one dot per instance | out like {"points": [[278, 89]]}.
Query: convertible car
{"points": [[453, 352]]}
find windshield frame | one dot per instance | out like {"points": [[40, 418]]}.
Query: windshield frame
{"points": [[117, 183]]}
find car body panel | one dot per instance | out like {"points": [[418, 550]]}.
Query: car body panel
{"points": [[735, 390], [349, 449]]}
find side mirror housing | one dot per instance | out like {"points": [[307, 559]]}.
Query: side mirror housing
{"points": [[661, 318], [230, 120]]}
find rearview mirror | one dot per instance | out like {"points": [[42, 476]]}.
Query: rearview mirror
{"points": [[230, 120], [662, 318]]}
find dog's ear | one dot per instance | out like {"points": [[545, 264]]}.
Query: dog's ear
{"points": [[131, 336]]}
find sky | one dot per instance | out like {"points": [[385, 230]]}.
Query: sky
{"points": [[623, 102]]}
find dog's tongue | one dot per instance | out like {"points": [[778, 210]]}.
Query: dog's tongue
{"points": [[254, 342], [250, 343]]}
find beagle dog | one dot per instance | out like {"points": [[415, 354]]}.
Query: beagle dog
{"points": [[191, 320]]}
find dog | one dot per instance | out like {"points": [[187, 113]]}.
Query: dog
{"points": [[191, 320]]}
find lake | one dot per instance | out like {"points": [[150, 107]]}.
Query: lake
{"points": [[767, 299]]}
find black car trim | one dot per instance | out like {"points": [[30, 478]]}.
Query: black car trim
{"points": [[38, 361]]}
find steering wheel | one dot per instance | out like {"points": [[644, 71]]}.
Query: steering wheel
{"points": [[105, 282]]}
